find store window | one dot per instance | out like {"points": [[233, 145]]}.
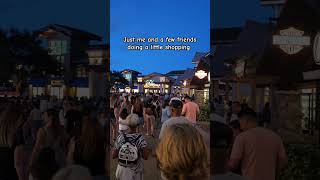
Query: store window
{"points": [[308, 106], [81, 72]]}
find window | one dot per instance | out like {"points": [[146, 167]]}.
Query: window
{"points": [[57, 47]]}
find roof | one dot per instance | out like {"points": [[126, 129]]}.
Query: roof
{"points": [[217, 66], [176, 72], [130, 70], [71, 32], [272, 2], [224, 35], [188, 74], [253, 40], [197, 57], [99, 46]]}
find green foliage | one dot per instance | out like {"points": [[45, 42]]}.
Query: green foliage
{"points": [[304, 162], [204, 112]]}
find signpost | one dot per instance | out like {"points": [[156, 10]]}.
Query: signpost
{"points": [[291, 40], [201, 74]]}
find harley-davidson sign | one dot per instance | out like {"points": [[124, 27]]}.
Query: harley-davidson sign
{"points": [[291, 40]]}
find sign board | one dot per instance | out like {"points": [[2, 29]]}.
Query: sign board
{"points": [[291, 40], [57, 83], [316, 49], [162, 79], [201, 74]]}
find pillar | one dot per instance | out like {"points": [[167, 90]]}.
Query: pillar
{"points": [[253, 95]]}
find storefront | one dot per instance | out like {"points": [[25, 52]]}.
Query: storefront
{"points": [[183, 83], [201, 81], [155, 83], [293, 57]]}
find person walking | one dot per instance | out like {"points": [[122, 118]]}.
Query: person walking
{"points": [[89, 149], [190, 110], [130, 149], [52, 135], [165, 113], [258, 150]]}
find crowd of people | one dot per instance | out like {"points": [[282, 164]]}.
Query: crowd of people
{"points": [[182, 150], [43, 138], [243, 147]]}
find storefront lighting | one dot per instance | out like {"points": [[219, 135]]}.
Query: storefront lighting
{"points": [[201, 74], [185, 83]]}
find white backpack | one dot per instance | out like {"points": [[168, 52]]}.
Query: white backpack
{"points": [[128, 154]]}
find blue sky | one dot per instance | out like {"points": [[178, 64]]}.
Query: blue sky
{"points": [[158, 18], [136, 17]]}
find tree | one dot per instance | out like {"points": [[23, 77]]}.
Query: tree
{"points": [[23, 56], [118, 79]]}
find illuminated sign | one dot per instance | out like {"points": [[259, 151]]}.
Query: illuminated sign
{"points": [[291, 40], [150, 84], [316, 49], [201, 74], [162, 79], [140, 79], [57, 83]]}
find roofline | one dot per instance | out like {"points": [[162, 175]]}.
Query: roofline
{"points": [[88, 35]]}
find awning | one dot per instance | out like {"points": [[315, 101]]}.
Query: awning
{"points": [[79, 82], [37, 82]]}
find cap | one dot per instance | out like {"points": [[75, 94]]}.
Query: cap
{"points": [[132, 120], [176, 103]]}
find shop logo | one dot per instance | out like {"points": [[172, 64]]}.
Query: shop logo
{"points": [[316, 49], [291, 40], [201, 74]]}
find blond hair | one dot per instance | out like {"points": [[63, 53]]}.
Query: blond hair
{"points": [[182, 154]]}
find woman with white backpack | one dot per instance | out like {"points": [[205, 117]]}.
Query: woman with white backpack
{"points": [[130, 148]]}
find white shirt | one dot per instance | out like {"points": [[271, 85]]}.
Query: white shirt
{"points": [[122, 127]]}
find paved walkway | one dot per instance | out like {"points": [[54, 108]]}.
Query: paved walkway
{"points": [[151, 171]]}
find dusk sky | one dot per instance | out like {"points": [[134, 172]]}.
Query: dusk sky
{"points": [[171, 18], [158, 18], [135, 17], [88, 15]]}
